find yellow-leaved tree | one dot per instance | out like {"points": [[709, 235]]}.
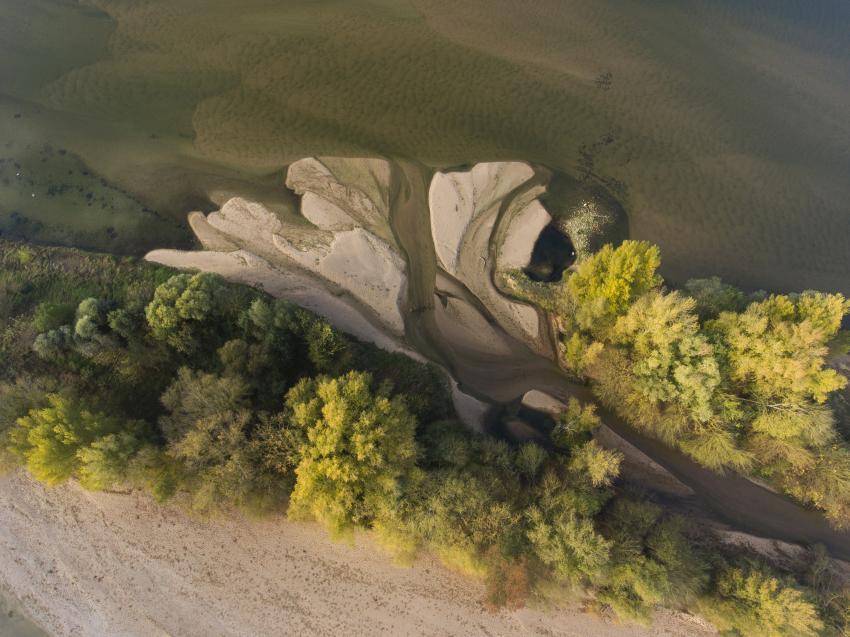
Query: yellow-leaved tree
{"points": [[358, 448]]}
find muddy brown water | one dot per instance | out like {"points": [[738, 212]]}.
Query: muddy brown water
{"points": [[721, 126]]}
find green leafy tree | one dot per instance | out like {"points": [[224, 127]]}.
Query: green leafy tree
{"points": [[776, 349], [465, 514], [575, 423], [181, 306], [652, 561], [196, 395], [579, 353], [670, 361], [601, 466], [64, 439], [105, 463], [530, 459], [712, 297], [562, 533], [55, 343], [824, 484], [219, 467], [359, 448], [828, 587], [51, 316], [18, 398], [716, 447], [326, 347], [90, 319]]}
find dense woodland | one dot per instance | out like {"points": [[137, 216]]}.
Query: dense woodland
{"points": [[215, 397], [738, 382]]}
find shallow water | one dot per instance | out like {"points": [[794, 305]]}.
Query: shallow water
{"points": [[13, 622], [721, 126]]}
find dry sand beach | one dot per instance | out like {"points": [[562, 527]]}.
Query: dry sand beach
{"points": [[119, 564]]}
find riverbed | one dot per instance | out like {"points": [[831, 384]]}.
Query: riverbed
{"points": [[720, 126]]}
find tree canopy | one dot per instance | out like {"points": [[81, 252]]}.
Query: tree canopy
{"points": [[64, 439], [358, 449], [753, 603], [735, 382], [604, 286], [217, 397]]}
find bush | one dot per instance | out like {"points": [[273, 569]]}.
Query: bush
{"points": [[50, 316], [652, 561], [65, 439], [751, 602]]}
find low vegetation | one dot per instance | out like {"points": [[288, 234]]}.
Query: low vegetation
{"points": [[214, 396]]}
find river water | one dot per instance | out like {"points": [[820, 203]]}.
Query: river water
{"points": [[720, 126], [13, 621]]}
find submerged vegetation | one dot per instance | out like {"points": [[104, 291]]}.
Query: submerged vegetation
{"points": [[213, 396]]}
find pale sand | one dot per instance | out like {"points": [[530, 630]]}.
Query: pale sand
{"points": [[521, 232], [367, 267], [470, 410], [458, 316], [91, 564], [358, 186], [465, 207], [354, 259], [541, 401], [324, 214], [210, 238]]}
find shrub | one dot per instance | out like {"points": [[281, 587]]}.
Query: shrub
{"points": [[752, 602]]}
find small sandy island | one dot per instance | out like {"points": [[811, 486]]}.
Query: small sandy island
{"points": [[88, 564]]}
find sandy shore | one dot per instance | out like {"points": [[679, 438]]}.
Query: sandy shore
{"points": [[119, 564]]}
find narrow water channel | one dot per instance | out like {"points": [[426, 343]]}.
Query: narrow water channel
{"points": [[503, 374]]}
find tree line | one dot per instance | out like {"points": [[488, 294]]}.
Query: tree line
{"points": [[738, 382], [215, 397]]}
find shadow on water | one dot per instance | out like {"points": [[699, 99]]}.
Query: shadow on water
{"points": [[552, 254], [730, 151]]}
